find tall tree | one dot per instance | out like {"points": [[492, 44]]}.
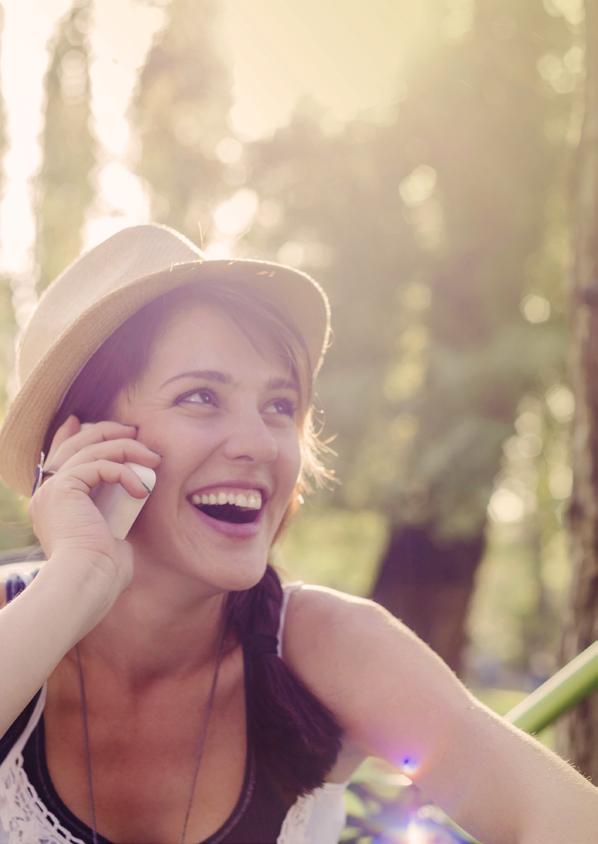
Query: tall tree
{"points": [[180, 113], [64, 185], [14, 532], [478, 116], [578, 732], [428, 231]]}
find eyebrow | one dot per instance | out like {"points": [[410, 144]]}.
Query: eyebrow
{"points": [[224, 378]]}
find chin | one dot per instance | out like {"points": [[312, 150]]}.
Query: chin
{"points": [[236, 572], [226, 569], [233, 573]]}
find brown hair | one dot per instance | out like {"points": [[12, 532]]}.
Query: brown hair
{"points": [[296, 737], [121, 359]]}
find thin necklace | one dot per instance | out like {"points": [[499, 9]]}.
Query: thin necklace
{"points": [[198, 754]]}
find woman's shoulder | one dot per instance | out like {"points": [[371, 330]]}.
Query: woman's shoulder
{"points": [[323, 627], [343, 646], [321, 609]]}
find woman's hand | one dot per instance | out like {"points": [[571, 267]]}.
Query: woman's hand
{"points": [[69, 526]]}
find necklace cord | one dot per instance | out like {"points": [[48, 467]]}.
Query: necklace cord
{"points": [[203, 733], [200, 743], [83, 696]]}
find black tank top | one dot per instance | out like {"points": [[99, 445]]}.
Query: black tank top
{"points": [[257, 817]]}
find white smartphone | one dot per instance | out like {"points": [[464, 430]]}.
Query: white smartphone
{"points": [[118, 507]]}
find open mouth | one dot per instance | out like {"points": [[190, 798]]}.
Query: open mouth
{"points": [[239, 509], [229, 513]]}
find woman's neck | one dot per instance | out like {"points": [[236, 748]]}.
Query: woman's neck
{"points": [[162, 626]]}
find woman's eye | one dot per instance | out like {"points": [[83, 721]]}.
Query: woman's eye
{"points": [[203, 396], [283, 407]]}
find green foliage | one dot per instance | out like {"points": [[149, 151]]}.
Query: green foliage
{"points": [[14, 528], [180, 113], [333, 547], [428, 231], [64, 187], [7, 330], [521, 591]]}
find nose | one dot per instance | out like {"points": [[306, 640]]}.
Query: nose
{"points": [[251, 439]]}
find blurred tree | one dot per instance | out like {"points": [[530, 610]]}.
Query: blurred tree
{"points": [[479, 119], [64, 185], [578, 732], [428, 232], [15, 531], [180, 112]]}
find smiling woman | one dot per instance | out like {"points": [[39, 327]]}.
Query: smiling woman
{"points": [[166, 687], [213, 377]]}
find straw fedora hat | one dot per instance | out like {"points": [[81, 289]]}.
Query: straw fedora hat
{"points": [[103, 288]]}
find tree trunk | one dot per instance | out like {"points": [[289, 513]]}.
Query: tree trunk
{"points": [[577, 733], [428, 584]]}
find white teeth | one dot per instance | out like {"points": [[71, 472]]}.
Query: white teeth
{"points": [[249, 501]]}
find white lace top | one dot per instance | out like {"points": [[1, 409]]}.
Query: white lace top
{"points": [[316, 818]]}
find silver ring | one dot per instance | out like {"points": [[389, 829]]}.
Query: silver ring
{"points": [[40, 473]]}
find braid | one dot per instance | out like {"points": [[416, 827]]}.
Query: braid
{"points": [[295, 736]]}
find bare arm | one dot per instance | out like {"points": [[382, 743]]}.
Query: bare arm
{"points": [[397, 700], [38, 628], [86, 568]]}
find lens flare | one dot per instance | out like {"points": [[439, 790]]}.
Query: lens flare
{"points": [[417, 833], [409, 766]]}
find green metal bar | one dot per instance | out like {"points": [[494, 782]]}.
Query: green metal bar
{"points": [[575, 681]]}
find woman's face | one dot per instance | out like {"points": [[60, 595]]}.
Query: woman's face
{"points": [[224, 418]]}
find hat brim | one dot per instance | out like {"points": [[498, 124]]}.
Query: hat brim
{"points": [[297, 296]]}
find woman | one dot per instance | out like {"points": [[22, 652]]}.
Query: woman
{"points": [[185, 696]]}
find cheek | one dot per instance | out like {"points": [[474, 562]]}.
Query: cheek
{"points": [[293, 460]]}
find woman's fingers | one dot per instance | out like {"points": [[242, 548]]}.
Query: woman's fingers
{"points": [[117, 451], [71, 437], [69, 428], [71, 522], [91, 475]]}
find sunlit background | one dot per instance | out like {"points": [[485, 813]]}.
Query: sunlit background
{"points": [[277, 53], [415, 158]]}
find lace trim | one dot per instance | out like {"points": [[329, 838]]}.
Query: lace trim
{"points": [[26, 820], [296, 828], [23, 816]]}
